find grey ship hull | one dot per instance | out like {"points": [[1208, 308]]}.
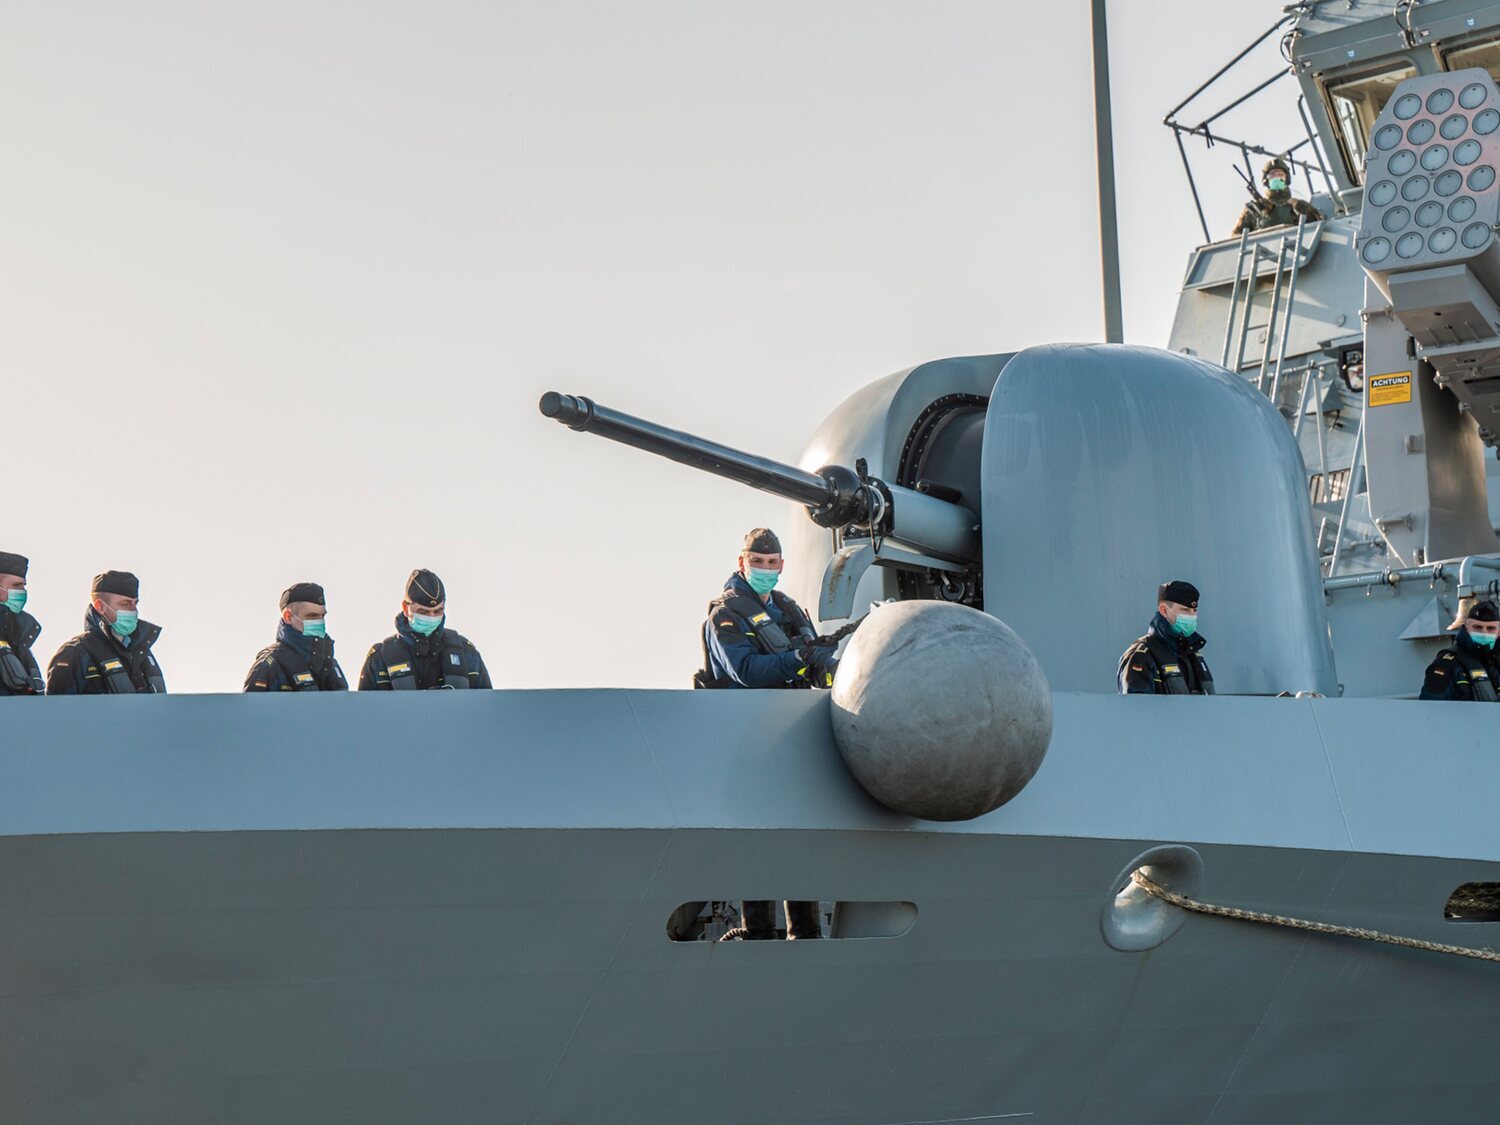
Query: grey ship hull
{"points": [[454, 908]]}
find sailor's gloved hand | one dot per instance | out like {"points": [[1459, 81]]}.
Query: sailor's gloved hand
{"points": [[819, 665]]}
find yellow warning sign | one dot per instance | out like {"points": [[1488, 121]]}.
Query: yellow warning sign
{"points": [[1387, 390]]}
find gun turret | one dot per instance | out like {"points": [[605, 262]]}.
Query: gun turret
{"points": [[835, 496]]}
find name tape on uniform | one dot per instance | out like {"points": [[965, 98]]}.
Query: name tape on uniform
{"points": [[1388, 390]]}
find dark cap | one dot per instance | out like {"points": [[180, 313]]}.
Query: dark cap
{"points": [[761, 540], [120, 582], [303, 592], [1484, 611], [425, 589], [1183, 593], [13, 564], [1276, 162]]}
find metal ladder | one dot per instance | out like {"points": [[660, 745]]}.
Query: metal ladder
{"points": [[1279, 319]]}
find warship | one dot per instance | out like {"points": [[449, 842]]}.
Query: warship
{"points": [[238, 909]]}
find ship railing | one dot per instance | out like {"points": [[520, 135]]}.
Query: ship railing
{"points": [[1278, 319], [1314, 164]]}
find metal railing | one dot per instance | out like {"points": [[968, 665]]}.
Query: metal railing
{"points": [[1314, 164], [1460, 570], [1278, 320]]}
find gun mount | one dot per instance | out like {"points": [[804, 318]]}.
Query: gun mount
{"points": [[933, 530]]}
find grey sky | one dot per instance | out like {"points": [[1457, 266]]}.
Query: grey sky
{"points": [[281, 283]]}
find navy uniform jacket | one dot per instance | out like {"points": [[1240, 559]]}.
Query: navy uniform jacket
{"points": [[18, 632], [73, 670], [1452, 677], [733, 656], [1141, 674], [270, 674], [425, 655]]}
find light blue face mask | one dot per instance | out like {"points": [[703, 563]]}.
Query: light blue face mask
{"points": [[1185, 625], [125, 622], [1278, 184], [15, 600], [762, 581], [1483, 640], [424, 625], [318, 628]]}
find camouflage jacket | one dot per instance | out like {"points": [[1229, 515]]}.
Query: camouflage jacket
{"points": [[1279, 209]]}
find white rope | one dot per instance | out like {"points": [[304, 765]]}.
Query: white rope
{"points": [[1157, 890]]}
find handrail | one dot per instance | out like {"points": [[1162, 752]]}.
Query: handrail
{"points": [[1349, 489], [1432, 572]]}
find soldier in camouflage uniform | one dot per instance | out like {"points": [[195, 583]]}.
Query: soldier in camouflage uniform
{"points": [[1277, 208]]}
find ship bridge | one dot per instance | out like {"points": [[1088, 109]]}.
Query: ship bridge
{"points": [[1290, 310]]}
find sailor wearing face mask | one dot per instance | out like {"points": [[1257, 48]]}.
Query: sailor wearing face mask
{"points": [[19, 672], [1278, 207], [757, 637], [1166, 660], [112, 656], [1468, 669], [423, 653], [302, 657]]}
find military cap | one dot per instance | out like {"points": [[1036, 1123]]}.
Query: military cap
{"points": [[120, 582], [303, 592], [1183, 593], [1276, 162], [13, 564], [425, 588], [1479, 609], [761, 540]]}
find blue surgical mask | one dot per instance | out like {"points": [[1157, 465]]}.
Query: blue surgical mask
{"points": [[125, 622], [425, 625], [15, 600], [1483, 640], [1278, 184], [762, 581], [1185, 625], [318, 628]]}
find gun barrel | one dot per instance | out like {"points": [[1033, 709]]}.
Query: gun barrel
{"points": [[834, 496], [787, 481]]}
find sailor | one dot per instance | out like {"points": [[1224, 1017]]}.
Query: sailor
{"points": [[423, 653], [112, 656], [1278, 207], [757, 637], [1468, 668], [754, 635], [1166, 660], [301, 659], [19, 673]]}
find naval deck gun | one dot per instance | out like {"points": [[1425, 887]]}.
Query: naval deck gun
{"points": [[924, 528]]}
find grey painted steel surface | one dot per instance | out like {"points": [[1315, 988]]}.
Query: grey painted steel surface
{"points": [[872, 423], [939, 710], [234, 909], [1330, 294], [1110, 470]]}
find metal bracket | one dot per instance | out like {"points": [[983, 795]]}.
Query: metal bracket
{"points": [[842, 576]]}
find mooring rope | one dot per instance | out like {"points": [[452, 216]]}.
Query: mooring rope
{"points": [[1157, 890]]}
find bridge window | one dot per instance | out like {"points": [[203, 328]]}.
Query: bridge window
{"points": [[1356, 102], [1486, 54]]}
